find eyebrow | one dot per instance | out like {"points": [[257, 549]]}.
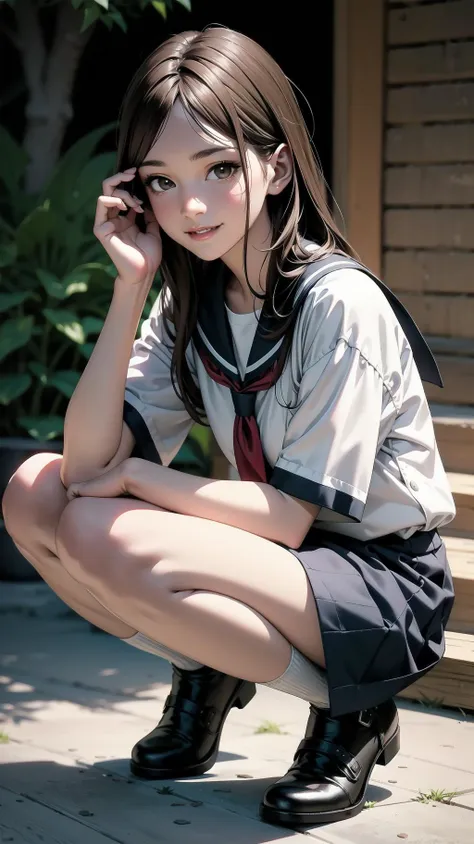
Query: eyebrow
{"points": [[196, 156]]}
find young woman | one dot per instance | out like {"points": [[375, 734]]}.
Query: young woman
{"points": [[321, 571]]}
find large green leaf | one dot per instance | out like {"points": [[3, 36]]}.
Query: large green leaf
{"points": [[92, 325], [13, 161], [67, 323], [160, 7], [77, 281], [42, 427], [83, 197], [119, 19], [13, 386], [86, 349], [65, 380], [52, 284], [8, 254], [103, 3], [39, 370], [91, 14], [39, 225], [11, 300], [67, 173], [15, 333]]}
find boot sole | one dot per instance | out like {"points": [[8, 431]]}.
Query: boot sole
{"points": [[275, 816], [240, 701]]}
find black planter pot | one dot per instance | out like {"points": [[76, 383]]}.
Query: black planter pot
{"points": [[13, 452]]}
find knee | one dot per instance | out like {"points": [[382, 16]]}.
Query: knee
{"points": [[81, 540], [33, 494]]}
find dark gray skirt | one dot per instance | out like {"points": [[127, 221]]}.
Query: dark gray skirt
{"points": [[383, 607]]}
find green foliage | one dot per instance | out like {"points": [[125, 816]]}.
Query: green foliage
{"points": [[436, 795], [270, 727], [55, 285], [113, 12]]}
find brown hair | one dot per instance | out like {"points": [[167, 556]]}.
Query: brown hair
{"points": [[227, 80]]}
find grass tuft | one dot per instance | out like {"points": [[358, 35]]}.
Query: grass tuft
{"points": [[269, 727]]}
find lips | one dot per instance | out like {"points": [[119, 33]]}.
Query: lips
{"points": [[202, 230]]}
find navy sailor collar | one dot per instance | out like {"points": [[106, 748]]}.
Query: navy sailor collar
{"points": [[214, 337]]}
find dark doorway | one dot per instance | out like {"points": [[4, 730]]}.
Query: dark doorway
{"points": [[303, 49]]}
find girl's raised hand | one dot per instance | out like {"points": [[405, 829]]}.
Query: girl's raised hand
{"points": [[136, 255]]}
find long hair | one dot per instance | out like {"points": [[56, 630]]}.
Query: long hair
{"points": [[226, 80]]}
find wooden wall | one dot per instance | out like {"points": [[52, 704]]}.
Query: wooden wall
{"points": [[428, 183]]}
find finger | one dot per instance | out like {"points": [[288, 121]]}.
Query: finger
{"points": [[108, 207], [111, 182], [117, 226], [72, 492], [129, 198], [131, 201], [104, 204]]}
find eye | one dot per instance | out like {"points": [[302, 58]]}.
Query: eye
{"points": [[158, 184], [223, 170]]}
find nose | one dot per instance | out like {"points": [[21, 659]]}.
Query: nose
{"points": [[193, 206]]}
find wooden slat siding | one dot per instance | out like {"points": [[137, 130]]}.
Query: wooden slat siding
{"points": [[433, 63], [430, 272], [449, 316], [429, 228], [431, 103], [364, 126], [429, 144], [451, 184], [458, 376], [436, 22], [452, 679]]}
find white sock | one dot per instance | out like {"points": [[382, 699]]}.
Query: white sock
{"points": [[145, 644], [303, 679]]}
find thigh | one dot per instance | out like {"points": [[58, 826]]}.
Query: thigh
{"points": [[186, 553]]}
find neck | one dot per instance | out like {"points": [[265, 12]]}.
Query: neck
{"points": [[259, 239]]}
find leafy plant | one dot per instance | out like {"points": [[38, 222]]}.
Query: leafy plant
{"points": [[51, 36], [55, 285], [436, 795], [269, 727]]}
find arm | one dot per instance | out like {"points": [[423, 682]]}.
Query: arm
{"points": [[94, 430], [93, 424], [255, 507]]}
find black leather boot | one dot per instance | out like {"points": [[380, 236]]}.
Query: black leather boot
{"points": [[332, 766], [185, 743]]}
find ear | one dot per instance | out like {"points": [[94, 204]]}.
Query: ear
{"points": [[282, 166]]}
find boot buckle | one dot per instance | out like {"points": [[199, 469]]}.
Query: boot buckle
{"points": [[365, 718], [210, 719]]}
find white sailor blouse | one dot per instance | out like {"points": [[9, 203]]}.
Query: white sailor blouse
{"points": [[347, 425]]}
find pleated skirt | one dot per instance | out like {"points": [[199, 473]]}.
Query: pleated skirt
{"points": [[383, 607]]}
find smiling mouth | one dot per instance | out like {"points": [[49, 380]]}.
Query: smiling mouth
{"points": [[203, 229]]}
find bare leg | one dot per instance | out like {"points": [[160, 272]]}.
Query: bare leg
{"points": [[222, 596], [32, 506]]}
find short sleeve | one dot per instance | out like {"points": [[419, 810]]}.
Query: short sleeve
{"points": [[156, 416], [333, 436]]}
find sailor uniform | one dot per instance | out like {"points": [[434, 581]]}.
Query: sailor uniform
{"points": [[345, 426]]}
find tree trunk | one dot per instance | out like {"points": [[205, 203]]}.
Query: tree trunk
{"points": [[50, 79]]}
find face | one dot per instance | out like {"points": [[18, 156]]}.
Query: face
{"points": [[195, 184]]}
